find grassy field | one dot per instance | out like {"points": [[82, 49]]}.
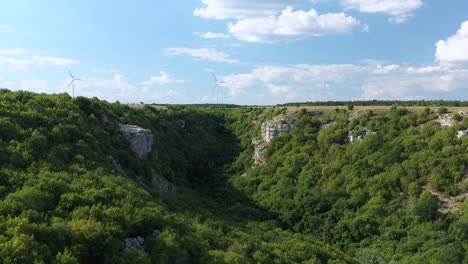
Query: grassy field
{"points": [[376, 109]]}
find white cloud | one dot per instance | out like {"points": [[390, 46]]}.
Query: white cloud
{"points": [[38, 86], [425, 70], [11, 58], [386, 69], [15, 51], [291, 25], [211, 35], [118, 88], [163, 79], [241, 9], [369, 80], [43, 60], [405, 87], [202, 53], [455, 48], [19, 64], [399, 10]]}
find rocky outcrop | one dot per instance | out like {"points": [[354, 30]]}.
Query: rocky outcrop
{"points": [[116, 165], [274, 129], [141, 140], [462, 133], [135, 243], [448, 203], [159, 181], [270, 130], [363, 131], [446, 120], [164, 185], [259, 154]]}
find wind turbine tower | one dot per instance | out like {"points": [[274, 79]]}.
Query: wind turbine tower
{"points": [[216, 86], [72, 83]]}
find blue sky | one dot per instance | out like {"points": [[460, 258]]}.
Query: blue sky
{"points": [[267, 52]]}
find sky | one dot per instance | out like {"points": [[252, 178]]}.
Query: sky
{"points": [[266, 52]]}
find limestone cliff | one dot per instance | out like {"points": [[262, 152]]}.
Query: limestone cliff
{"points": [[141, 140], [270, 129], [274, 128]]}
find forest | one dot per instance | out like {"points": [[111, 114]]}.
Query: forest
{"points": [[396, 195]]}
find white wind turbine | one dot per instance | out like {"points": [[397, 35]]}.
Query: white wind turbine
{"points": [[216, 86], [72, 83]]}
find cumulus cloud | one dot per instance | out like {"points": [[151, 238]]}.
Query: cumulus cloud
{"points": [[399, 10], [425, 70], [163, 79], [118, 88], [455, 48], [368, 80], [422, 86], [211, 35], [290, 25], [241, 9], [15, 51], [202, 53], [273, 20], [113, 89], [12, 58]]}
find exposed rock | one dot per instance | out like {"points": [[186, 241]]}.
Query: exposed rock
{"points": [[361, 134], [259, 154], [164, 185], [270, 130], [274, 129], [141, 140], [116, 165], [328, 124], [135, 243], [446, 120], [448, 203], [462, 133]]}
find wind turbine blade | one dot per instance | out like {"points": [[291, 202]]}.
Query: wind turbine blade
{"points": [[214, 76], [214, 87], [70, 74], [70, 84], [79, 80]]}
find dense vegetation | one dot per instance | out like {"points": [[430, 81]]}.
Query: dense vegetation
{"points": [[318, 199], [63, 200], [430, 103], [369, 198]]}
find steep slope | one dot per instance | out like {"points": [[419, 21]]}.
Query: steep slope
{"points": [[364, 192], [73, 190]]}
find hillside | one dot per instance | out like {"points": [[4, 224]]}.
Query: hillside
{"points": [[86, 181]]}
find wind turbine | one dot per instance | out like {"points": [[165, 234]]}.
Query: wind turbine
{"points": [[217, 83], [72, 83]]}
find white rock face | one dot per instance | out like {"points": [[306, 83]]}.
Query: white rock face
{"points": [[141, 140], [274, 129], [135, 243], [462, 133], [446, 120], [270, 130], [259, 154], [361, 135]]}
